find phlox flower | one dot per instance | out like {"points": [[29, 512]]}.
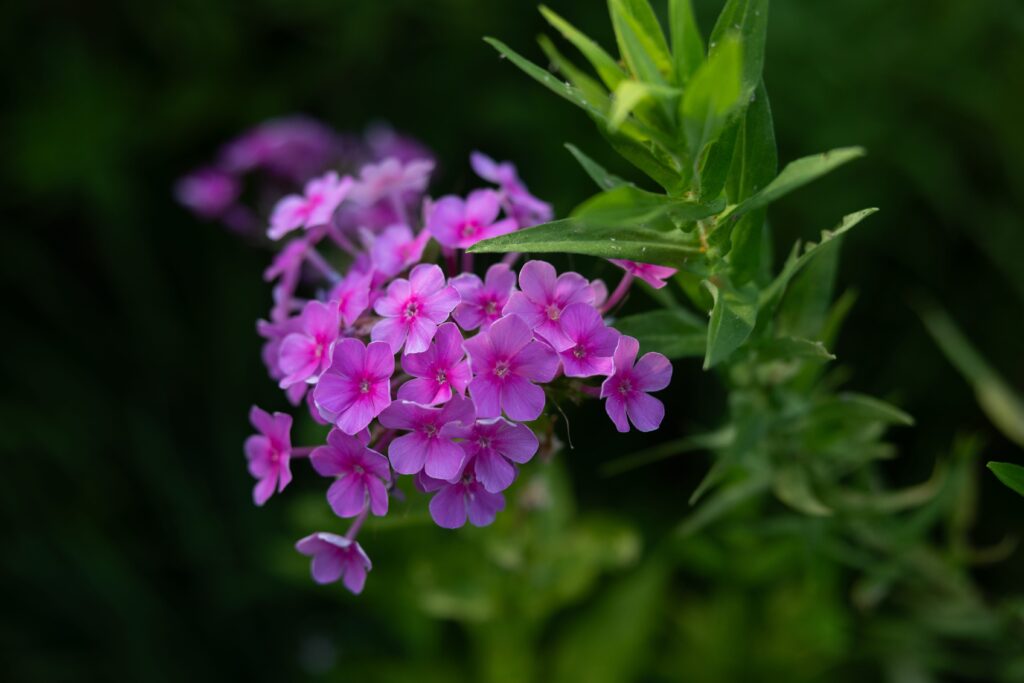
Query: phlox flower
{"points": [[526, 209], [413, 308], [313, 208], [593, 342], [506, 361], [305, 354], [626, 390], [352, 294], [544, 296], [466, 496], [429, 445], [455, 222], [391, 178], [384, 142], [336, 557], [362, 475], [438, 371], [483, 300], [493, 445], [648, 272], [357, 385], [395, 249], [293, 148], [207, 192], [274, 333], [269, 453]]}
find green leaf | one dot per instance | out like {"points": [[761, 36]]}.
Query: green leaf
{"points": [[709, 441], [717, 162], [797, 174], [579, 236], [687, 45], [644, 157], [853, 407], [589, 88], [732, 320], [1000, 403], [793, 487], [1010, 474], [633, 207], [712, 96], [748, 18], [675, 333], [597, 173], [787, 348], [604, 64], [641, 40], [629, 95]]}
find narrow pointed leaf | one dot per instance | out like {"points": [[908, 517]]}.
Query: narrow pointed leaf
{"points": [[630, 206], [641, 40], [713, 95], [687, 45], [597, 173], [732, 320], [1010, 474], [604, 64], [793, 488], [588, 86], [749, 19]]}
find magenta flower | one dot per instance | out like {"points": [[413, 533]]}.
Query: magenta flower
{"points": [[593, 342], [396, 249], [207, 192], [626, 390], [413, 308], [544, 296], [483, 301], [269, 453], [526, 209], [293, 148], [362, 475], [352, 294], [466, 495], [335, 557], [648, 272], [506, 360], [457, 223], [287, 263], [384, 142], [437, 371], [494, 445], [391, 178], [313, 208], [357, 385], [429, 445], [306, 354], [275, 333]]}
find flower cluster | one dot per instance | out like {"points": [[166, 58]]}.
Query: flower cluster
{"points": [[419, 370]]}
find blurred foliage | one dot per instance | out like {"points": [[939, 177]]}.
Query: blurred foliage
{"points": [[130, 546]]}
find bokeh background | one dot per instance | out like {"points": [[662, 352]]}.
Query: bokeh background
{"points": [[131, 550]]}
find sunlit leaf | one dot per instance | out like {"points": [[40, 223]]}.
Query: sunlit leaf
{"points": [[713, 95], [604, 64]]}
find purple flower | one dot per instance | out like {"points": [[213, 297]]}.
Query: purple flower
{"points": [[305, 354], [544, 296], [287, 263], [207, 192], [362, 475], [396, 249], [313, 208], [506, 360], [384, 142], [357, 385], [352, 293], [335, 556], [494, 445], [593, 342], [429, 445], [454, 500], [438, 370], [483, 301], [413, 308], [293, 148], [526, 209], [391, 178], [648, 272], [274, 333], [626, 390], [457, 223], [269, 453]]}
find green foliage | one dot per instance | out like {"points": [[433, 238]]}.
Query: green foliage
{"points": [[1010, 474]]}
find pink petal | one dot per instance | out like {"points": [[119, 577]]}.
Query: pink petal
{"points": [[537, 362], [615, 406], [439, 305], [625, 353], [327, 566], [425, 279], [380, 361], [537, 279], [521, 400], [509, 335], [378, 496], [355, 576], [448, 508], [408, 453], [515, 441], [493, 471], [652, 372], [484, 506], [645, 412], [263, 489], [482, 206], [443, 460], [486, 394], [425, 391], [356, 417], [421, 332], [347, 496], [391, 331]]}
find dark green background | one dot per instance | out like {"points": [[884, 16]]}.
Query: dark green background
{"points": [[130, 548]]}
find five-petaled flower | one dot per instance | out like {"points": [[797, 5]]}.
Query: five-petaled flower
{"points": [[304, 355], [648, 272], [413, 308], [357, 385], [593, 342], [336, 557], [269, 453], [544, 296], [352, 294], [457, 223], [438, 371], [626, 390], [320, 198], [362, 475], [430, 444], [493, 445], [483, 301], [455, 499]]}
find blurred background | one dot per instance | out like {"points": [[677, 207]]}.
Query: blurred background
{"points": [[131, 550]]}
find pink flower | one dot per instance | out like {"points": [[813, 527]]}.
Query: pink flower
{"points": [[207, 192], [506, 360], [429, 445], [305, 354], [544, 296], [352, 293], [483, 301], [269, 452], [494, 445], [413, 308], [396, 249], [293, 148], [335, 557], [648, 272], [526, 209], [362, 475], [449, 507], [438, 371], [287, 263], [391, 178], [593, 342], [313, 208], [275, 333], [457, 223], [357, 385], [626, 390]]}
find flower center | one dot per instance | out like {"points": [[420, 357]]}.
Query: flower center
{"points": [[442, 377], [412, 309], [469, 228], [491, 307], [358, 469], [554, 313], [625, 387], [483, 442], [430, 430], [580, 351], [502, 368], [364, 386]]}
